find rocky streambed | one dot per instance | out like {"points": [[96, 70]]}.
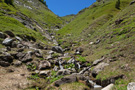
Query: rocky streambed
{"points": [[52, 63]]}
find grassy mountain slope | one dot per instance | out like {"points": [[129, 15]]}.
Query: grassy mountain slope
{"points": [[68, 18], [9, 23], [39, 12], [23, 17], [115, 29]]}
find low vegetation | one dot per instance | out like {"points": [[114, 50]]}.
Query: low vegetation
{"points": [[111, 22]]}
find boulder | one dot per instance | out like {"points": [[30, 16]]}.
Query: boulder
{"points": [[49, 57], [71, 78], [14, 44], [97, 61], [132, 2], [55, 68], [38, 53], [51, 52], [66, 79], [87, 69], [25, 57], [44, 73], [57, 49], [4, 64], [63, 72], [91, 43], [8, 42], [2, 35], [97, 41], [110, 87], [97, 87], [72, 60], [6, 60], [99, 68], [17, 63], [131, 86], [44, 65], [18, 38], [20, 46], [79, 51], [39, 46], [11, 34]]}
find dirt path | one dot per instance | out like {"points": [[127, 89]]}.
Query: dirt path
{"points": [[13, 78]]}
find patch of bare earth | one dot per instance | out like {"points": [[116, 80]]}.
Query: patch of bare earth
{"points": [[14, 78]]}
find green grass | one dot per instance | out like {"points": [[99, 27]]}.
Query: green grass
{"points": [[116, 40], [81, 59], [42, 14], [93, 16], [53, 77]]}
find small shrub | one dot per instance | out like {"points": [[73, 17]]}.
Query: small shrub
{"points": [[69, 66], [117, 5], [53, 77], [55, 55], [31, 67], [9, 2], [35, 76], [81, 59]]}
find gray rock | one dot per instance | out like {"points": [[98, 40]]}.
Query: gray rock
{"points": [[97, 61], [20, 46], [63, 72], [131, 86], [132, 2], [38, 53], [14, 44], [18, 38], [44, 73], [37, 71], [97, 87], [69, 79], [4, 64], [24, 57], [85, 70], [44, 65], [72, 60], [8, 42], [2, 35], [110, 87], [57, 49], [27, 57], [17, 63], [55, 68], [11, 34], [6, 60], [99, 68], [66, 79], [49, 57], [51, 52], [97, 41], [79, 51]]}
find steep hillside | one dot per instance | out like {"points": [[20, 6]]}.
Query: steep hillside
{"points": [[36, 10], [68, 18], [28, 18], [105, 30], [95, 48]]}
